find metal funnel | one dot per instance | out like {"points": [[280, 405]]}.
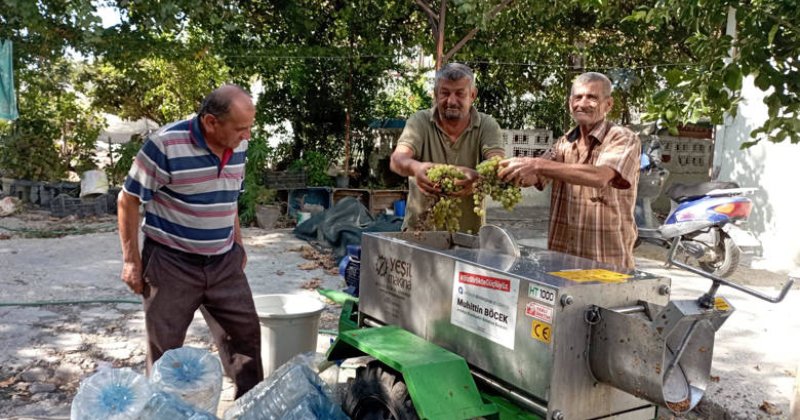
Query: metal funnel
{"points": [[661, 354]]}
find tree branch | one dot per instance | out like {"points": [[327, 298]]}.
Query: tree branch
{"points": [[460, 44], [440, 36], [783, 22], [489, 16], [434, 17]]}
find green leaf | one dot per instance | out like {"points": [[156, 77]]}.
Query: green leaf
{"points": [[747, 144], [636, 16], [771, 35], [673, 76], [762, 81], [733, 78], [661, 96]]}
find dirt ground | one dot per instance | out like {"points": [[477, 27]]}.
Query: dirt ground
{"points": [[51, 342]]}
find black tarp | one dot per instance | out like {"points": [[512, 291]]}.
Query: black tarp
{"points": [[343, 224]]}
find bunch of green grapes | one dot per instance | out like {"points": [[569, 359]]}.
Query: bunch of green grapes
{"points": [[491, 185], [445, 213], [445, 177]]}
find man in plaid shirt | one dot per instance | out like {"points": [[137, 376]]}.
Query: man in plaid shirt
{"points": [[594, 169]]}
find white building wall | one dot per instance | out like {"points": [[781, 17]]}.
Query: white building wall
{"points": [[770, 168]]}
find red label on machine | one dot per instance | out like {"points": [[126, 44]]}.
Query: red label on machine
{"points": [[484, 281], [539, 311]]}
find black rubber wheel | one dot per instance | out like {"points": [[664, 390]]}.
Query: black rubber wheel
{"points": [[378, 393], [728, 258]]}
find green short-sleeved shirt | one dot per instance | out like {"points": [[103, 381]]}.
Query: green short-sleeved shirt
{"points": [[430, 143]]}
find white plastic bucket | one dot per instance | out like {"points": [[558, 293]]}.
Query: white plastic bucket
{"points": [[93, 183], [289, 326]]}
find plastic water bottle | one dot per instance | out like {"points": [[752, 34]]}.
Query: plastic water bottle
{"points": [[111, 394], [169, 407], [292, 392], [193, 374]]}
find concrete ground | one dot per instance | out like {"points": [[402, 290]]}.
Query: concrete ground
{"points": [[45, 350]]}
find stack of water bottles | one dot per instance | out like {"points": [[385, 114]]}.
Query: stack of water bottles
{"points": [[293, 392], [192, 374], [186, 385]]}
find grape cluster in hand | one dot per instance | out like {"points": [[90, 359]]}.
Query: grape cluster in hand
{"points": [[491, 185], [445, 212]]}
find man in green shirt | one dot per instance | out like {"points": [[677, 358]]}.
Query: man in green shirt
{"points": [[452, 132]]}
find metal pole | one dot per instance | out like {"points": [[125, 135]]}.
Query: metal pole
{"points": [[681, 349], [511, 394], [633, 309]]}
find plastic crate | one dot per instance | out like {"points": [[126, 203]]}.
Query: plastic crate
{"points": [[22, 189], [380, 200], [285, 180], [64, 205], [111, 200], [359, 194], [299, 198]]}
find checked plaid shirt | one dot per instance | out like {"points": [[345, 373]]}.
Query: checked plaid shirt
{"points": [[597, 223]]}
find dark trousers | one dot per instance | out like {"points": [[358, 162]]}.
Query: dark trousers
{"points": [[178, 283]]}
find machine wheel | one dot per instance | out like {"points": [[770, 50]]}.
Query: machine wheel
{"points": [[727, 258], [378, 393]]}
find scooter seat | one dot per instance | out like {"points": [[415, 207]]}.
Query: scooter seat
{"points": [[686, 192]]}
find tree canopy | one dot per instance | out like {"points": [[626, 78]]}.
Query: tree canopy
{"points": [[330, 67], [765, 44]]}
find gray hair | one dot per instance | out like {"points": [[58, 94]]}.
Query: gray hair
{"points": [[592, 77], [218, 102], [454, 71]]}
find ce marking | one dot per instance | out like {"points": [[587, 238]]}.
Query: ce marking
{"points": [[542, 331]]}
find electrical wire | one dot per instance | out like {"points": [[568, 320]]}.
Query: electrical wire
{"points": [[498, 63], [42, 233], [70, 302]]}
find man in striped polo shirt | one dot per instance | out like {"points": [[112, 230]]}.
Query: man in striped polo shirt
{"points": [[188, 176]]}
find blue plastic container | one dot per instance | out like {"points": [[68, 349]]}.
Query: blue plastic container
{"points": [[400, 208], [350, 268]]}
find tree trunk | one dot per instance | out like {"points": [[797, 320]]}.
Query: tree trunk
{"points": [[437, 22], [440, 35], [489, 16], [348, 110]]}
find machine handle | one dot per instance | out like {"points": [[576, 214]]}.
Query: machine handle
{"points": [[707, 300]]}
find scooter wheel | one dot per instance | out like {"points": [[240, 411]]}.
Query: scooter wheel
{"points": [[378, 393], [728, 258]]}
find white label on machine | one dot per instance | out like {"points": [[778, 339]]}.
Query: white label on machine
{"points": [[542, 294], [485, 303]]}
